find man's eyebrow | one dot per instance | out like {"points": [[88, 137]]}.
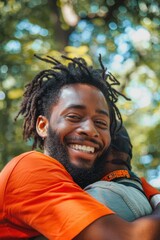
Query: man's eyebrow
{"points": [[78, 106], [100, 111], [104, 112]]}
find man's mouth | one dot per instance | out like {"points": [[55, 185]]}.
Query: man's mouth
{"points": [[83, 148]]}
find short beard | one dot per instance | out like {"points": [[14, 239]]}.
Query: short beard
{"points": [[81, 176]]}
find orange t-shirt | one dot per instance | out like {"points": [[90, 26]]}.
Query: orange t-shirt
{"points": [[37, 195]]}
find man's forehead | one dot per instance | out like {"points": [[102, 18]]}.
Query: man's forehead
{"points": [[80, 86], [80, 89], [81, 96], [82, 92]]}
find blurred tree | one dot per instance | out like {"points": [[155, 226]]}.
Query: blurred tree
{"points": [[23, 33], [125, 33]]}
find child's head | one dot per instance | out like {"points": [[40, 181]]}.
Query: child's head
{"points": [[120, 153]]}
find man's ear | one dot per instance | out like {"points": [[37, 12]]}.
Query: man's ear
{"points": [[42, 126]]}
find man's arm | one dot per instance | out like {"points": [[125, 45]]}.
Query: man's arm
{"points": [[113, 227]]}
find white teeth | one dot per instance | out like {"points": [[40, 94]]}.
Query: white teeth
{"points": [[83, 148]]}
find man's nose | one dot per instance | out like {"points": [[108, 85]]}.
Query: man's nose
{"points": [[88, 128]]}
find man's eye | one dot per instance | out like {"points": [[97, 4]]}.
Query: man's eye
{"points": [[73, 117], [101, 124]]}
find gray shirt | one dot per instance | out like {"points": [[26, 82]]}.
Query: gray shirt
{"points": [[127, 201]]}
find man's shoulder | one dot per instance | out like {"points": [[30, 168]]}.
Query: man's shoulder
{"points": [[29, 160], [31, 167], [23, 156], [30, 155]]}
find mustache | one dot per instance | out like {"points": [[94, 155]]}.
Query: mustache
{"points": [[83, 139]]}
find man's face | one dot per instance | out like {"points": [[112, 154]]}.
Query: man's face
{"points": [[81, 120]]}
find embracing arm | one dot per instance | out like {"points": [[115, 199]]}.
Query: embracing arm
{"points": [[113, 227]]}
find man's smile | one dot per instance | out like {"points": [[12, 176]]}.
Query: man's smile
{"points": [[83, 154], [82, 148], [83, 143]]}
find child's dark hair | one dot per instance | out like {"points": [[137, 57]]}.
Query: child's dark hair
{"points": [[44, 91]]}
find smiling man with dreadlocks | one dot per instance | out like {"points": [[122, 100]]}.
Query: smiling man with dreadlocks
{"points": [[70, 112]]}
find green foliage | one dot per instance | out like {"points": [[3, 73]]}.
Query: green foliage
{"points": [[23, 33]]}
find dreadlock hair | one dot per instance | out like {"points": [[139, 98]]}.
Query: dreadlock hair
{"points": [[44, 90]]}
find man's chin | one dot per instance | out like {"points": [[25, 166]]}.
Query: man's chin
{"points": [[82, 163], [81, 159]]}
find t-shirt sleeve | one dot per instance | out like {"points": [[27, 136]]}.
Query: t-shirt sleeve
{"points": [[42, 195]]}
